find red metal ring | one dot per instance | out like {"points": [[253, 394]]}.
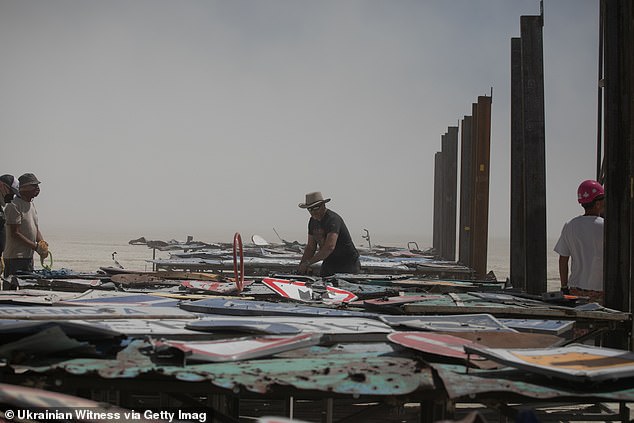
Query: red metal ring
{"points": [[239, 277]]}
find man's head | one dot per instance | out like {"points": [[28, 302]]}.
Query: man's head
{"points": [[29, 186], [590, 195], [315, 204], [12, 184]]}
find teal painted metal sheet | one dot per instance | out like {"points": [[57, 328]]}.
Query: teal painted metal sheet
{"points": [[353, 374]]}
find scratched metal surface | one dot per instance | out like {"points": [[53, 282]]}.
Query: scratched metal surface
{"points": [[348, 373], [462, 384]]}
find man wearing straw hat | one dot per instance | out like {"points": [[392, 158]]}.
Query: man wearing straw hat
{"points": [[327, 231]]}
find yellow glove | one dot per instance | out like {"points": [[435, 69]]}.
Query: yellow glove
{"points": [[42, 249]]}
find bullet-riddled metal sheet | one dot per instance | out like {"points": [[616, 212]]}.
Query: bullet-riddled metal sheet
{"points": [[576, 362], [461, 382], [342, 375], [350, 374]]}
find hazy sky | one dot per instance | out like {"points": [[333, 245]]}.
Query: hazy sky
{"points": [[172, 118]]}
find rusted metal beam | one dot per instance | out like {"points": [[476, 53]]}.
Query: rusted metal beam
{"points": [[438, 204], [534, 152], [466, 192], [450, 171], [482, 153], [619, 146], [518, 240]]}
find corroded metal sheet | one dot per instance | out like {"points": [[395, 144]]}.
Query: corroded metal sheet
{"points": [[352, 374], [463, 383], [576, 362], [355, 376]]}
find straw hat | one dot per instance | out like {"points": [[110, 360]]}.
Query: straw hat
{"points": [[312, 199]]}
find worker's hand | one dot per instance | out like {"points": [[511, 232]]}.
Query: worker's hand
{"points": [[42, 249], [303, 267]]}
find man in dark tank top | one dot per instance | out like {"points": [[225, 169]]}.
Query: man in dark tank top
{"points": [[328, 240]]}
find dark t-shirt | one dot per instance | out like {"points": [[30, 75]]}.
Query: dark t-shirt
{"points": [[345, 251]]}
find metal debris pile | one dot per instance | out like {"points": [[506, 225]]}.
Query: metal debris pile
{"points": [[389, 338]]}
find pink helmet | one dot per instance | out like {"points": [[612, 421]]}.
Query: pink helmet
{"points": [[588, 191]]}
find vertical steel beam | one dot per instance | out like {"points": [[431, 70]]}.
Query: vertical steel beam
{"points": [[450, 165], [482, 150], [438, 203], [619, 141], [472, 178], [518, 241], [534, 152], [466, 192]]}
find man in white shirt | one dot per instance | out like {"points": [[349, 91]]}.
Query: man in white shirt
{"points": [[8, 190], [23, 231], [582, 240]]}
